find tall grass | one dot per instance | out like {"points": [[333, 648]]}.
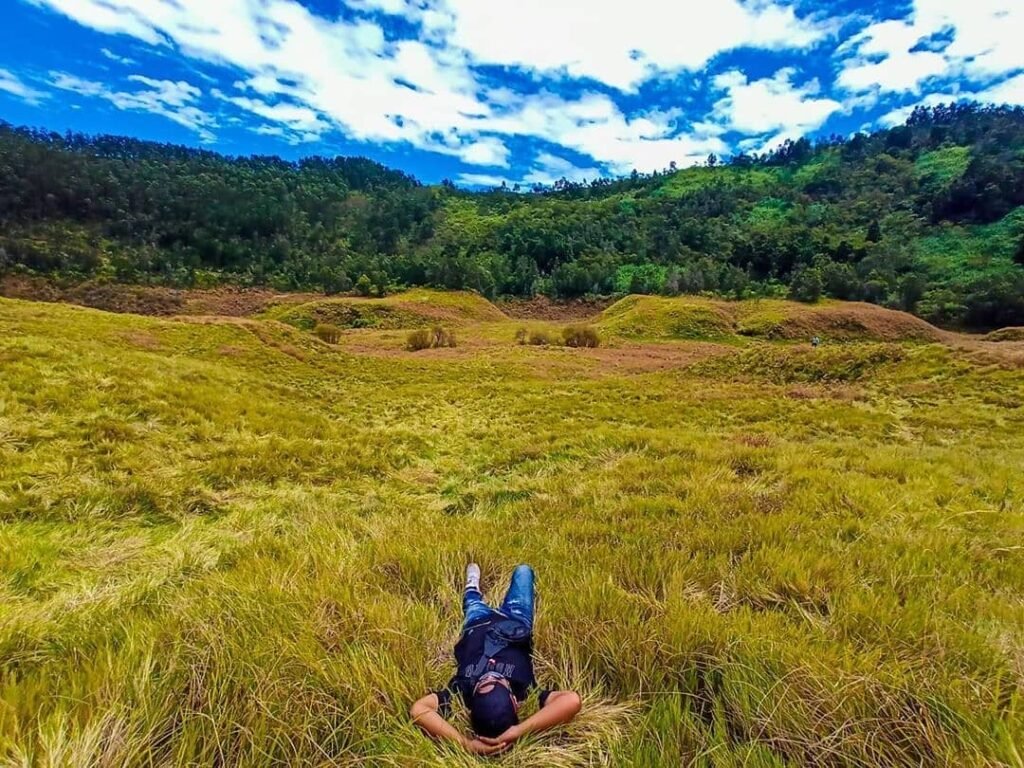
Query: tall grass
{"points": [[231, 545], [437, 337]]}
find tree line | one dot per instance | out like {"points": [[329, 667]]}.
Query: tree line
{"points": [[927, 217]]}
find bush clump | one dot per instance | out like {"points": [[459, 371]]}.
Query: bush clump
{"points": [[572, 336], [539, 338], [430, 338], [329, 333], [581, 336]]}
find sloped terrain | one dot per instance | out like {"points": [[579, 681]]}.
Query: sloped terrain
{"points": [[411, 309], [833, 320], [224, 542], [655, 317], [158, 301], [1006, 334]]}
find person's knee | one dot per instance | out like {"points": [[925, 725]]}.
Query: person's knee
{"points": [[523, 571]]}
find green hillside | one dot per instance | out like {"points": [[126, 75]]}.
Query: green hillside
{"points": [[925, 217]]}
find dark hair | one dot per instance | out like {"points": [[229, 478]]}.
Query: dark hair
{"points": [[492, 713]]}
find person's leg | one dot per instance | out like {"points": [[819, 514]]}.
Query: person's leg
{"points": [[473, 606], [519, 598]]}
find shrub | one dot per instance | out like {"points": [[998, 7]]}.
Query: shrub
{"points": [[522, 336], [364, 287], [539, 338], [417, 340], [443, 337], [432, 338], [806, 285], [329, 333], [581, 336]]}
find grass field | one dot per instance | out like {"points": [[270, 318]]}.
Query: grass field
{"points": [[224, 542]]}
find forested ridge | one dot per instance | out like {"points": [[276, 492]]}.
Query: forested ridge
{"points": [[927, 217]]}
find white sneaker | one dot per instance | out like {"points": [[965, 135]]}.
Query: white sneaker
{"points": [[473, 577]]}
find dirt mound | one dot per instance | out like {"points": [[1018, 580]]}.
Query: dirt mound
{"points": [[1006, 334], [657, 317], [413, 309], [150, 300], [543, 308], [688, 317], [831, 321]]}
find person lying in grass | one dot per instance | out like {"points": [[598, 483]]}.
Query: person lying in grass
{"points": [[494, 673]]}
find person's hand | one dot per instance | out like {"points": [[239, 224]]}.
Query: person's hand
{"points": [[507, 739], [484, 747]]}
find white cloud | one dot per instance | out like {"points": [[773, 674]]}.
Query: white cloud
{"points": [[594, 125], [109, 54], [12, 84], [295, 118], [113, 18], [66, 82], [772, 104], [619, 44], [291, 137], [169, 99], [308, 74], [891, 56], [270, 130], [303, 75], [1010, 91], [550, 168], [482, 180], [547, 169], [486, 151]]}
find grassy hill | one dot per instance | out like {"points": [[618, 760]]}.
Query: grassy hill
{"points": [[411, 309], [223, 541], [650, 317]]}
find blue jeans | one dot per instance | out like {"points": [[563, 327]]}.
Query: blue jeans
{"points": [[518, 602]]}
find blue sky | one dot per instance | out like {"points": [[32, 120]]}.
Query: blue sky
{"points": [[482, 91]]}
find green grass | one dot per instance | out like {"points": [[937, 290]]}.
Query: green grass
{"points": [[943, 166], [229, 543], [693, 179], [769, 213], [823, 165], [957, 252], [655, 317]]}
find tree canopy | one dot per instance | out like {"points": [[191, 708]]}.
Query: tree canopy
{"points": [[926, 217]]}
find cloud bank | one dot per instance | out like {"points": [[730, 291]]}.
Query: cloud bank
{"points": [[580, 88]]}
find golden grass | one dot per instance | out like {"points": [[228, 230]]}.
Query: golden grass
{"points": [[233, 544]]}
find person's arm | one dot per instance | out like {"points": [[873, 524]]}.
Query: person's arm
{"points": [[424, 713], [560, 708]]}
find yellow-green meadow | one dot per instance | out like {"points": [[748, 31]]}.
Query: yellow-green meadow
{"points": [[224, 541]]}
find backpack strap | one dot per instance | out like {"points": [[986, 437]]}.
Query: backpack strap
{"points": [[499, 636]]}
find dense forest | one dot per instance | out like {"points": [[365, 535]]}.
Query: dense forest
{"points": [[926, 217]]}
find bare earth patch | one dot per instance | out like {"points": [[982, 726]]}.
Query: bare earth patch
{"points": [[543, 308], [141, 339]]}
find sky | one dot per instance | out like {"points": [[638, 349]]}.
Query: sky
{"points": [[489, 91]]}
